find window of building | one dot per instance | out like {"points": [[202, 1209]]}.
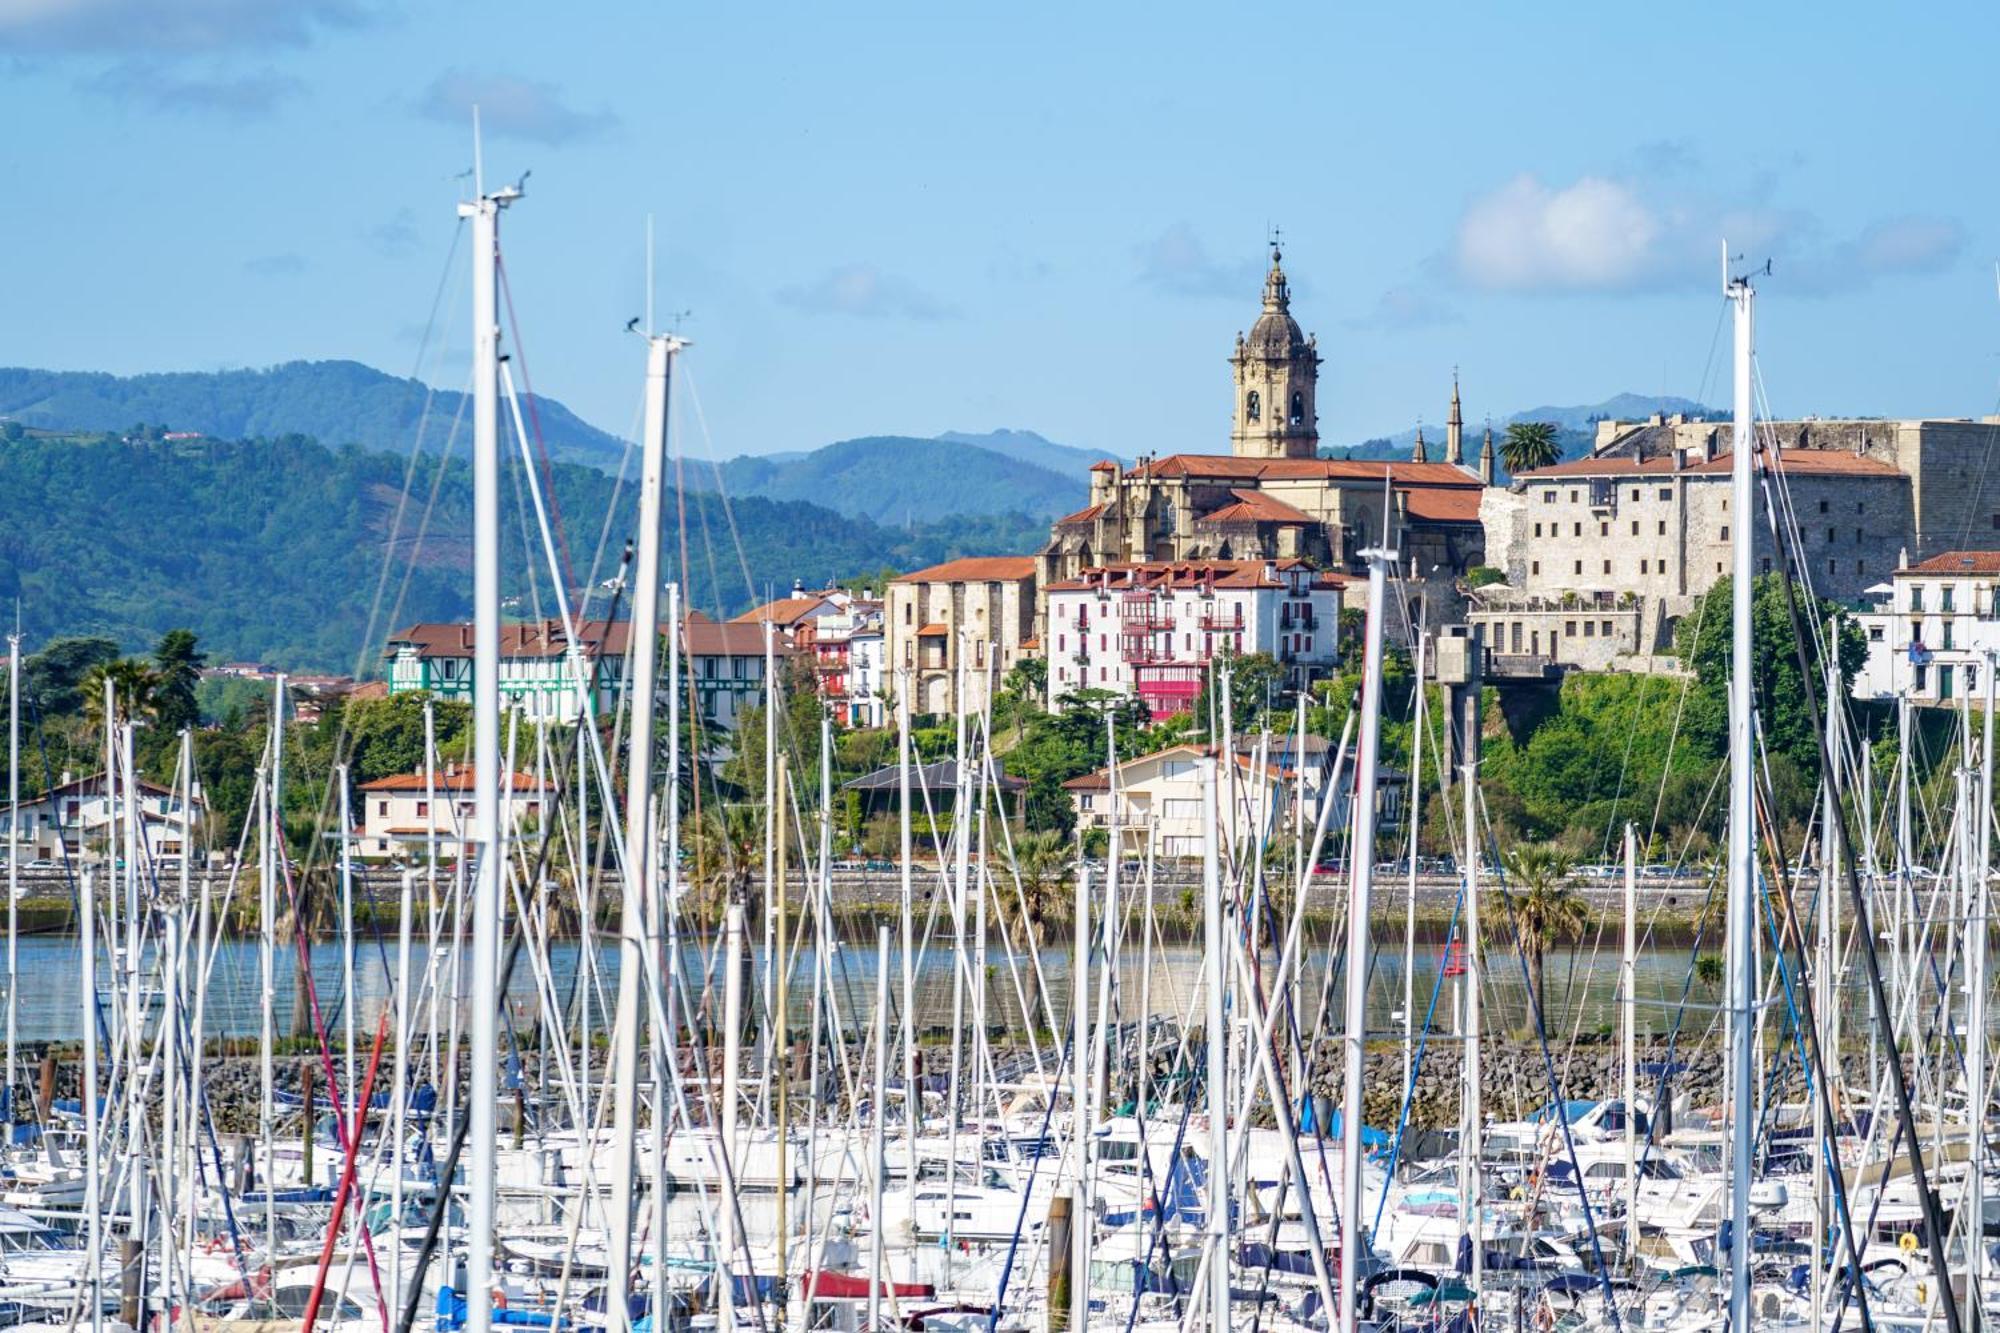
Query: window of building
{"points": [[1549, 495], [382, 809], [1857, 566], [1948, 644], [1635, 527], [1663, 527], [1298, 409], [1590, 629], [1576, 529], [1916, 596], [1875, 634], [1944, 681], [1945, 597], [1087, 801], [1920, 678], [1573, 496], [1830, 539], [1059, 643], [1607, 566], [1725, 504], [1971, 678], [1579, 567], [1253, 410], [1666, 493], [1604, 529], [1535, 567], [423, 809], [1829, 565], [1860, 506], [1822, 506], [1766, 565], [1606, 630], [1635, 495], [1569, 629], [1725, 532], [1642, 567]]}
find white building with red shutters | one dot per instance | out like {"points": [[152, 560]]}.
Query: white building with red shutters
{"points": [[1151, 630]]}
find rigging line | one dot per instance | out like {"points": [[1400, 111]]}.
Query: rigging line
{"points": [[534, 414], [446, 281], [722, 490]]}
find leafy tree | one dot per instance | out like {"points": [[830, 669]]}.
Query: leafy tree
{"points": [[1042, 859], [1703, 642], [177, 667], [1480, 576], [52, 680], [386, 736], [1545, 907], [1254, 683], [1530, 444]]}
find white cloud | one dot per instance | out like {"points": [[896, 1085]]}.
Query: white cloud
{"points": [[1178, 263], [165, 86], [1593, 235], [1606, 234], [1403, 308], [865, 291], [177, 27], [511, 107]]}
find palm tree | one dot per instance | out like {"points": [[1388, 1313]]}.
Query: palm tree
{"points": [[134, 690], [1544, 905], [1042, 859], [177, 666], [1529, 445]]}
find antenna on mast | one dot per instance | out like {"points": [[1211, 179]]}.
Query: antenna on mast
{"points": [[478, 158], [649, 275]]}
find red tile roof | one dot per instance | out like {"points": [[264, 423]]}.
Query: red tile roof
{"points": [[1184, 574], [1803, 462], [934, 630], [1083, 515], [785, 612], [1229, 466], [446, 780], [974, 569], [1255, 507], [1437, 505], [1956, 562]]}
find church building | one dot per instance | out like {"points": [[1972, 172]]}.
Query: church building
{"points": [[1272, 497]]}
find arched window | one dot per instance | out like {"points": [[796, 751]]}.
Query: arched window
{"points": [[1298, 409], [1253, 407]]}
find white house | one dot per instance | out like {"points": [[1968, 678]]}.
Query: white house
{"points": [[847, 655], [404, 812], [1934, 630], [1152, 629], [74, 817], [1159, 796]]}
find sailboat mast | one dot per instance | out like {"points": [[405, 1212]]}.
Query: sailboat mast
{"points": [[13, 848], [1362, 856], [639, 842], [1975, 1017], [484, 211], [1742, 845], [1214, 941]]}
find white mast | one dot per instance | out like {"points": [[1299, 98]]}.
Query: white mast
{"points": [[1975, 1018], [1628, 985], [1413, 805], [13, 845], [484, 210], [911, 1095], [878, 1269], [1080, 1071], [1214, 941], [1742, 902], [639, 840], [92, 1206], [1472, 1181], [1362, 856]]}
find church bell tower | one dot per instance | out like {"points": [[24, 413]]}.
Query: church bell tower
{"points": [[1277, 378]]}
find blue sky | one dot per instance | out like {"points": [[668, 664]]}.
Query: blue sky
{"points": [[909, 218]]}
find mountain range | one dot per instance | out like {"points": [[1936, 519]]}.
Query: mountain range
{"points": [[1576, 426], [274, 522]]}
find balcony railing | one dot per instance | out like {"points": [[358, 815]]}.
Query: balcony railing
{"points": [[1215, 620]]}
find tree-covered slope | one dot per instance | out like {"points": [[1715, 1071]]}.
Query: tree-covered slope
{"points": [[343, 401], [895, 479], [294, 553]]}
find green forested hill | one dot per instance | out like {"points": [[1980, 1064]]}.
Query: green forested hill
{"points": [[890, 478], [273, 550], [343, 401]]}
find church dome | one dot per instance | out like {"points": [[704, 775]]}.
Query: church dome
{"points": [[1276, 335]]}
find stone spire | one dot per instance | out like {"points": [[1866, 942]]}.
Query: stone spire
{"points": [[1277, 375], [1420, 454], [1454, 428], [1486, 456]]}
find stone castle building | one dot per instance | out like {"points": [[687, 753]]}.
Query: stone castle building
{"points": [[1604, 554], [1271, 497]]}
